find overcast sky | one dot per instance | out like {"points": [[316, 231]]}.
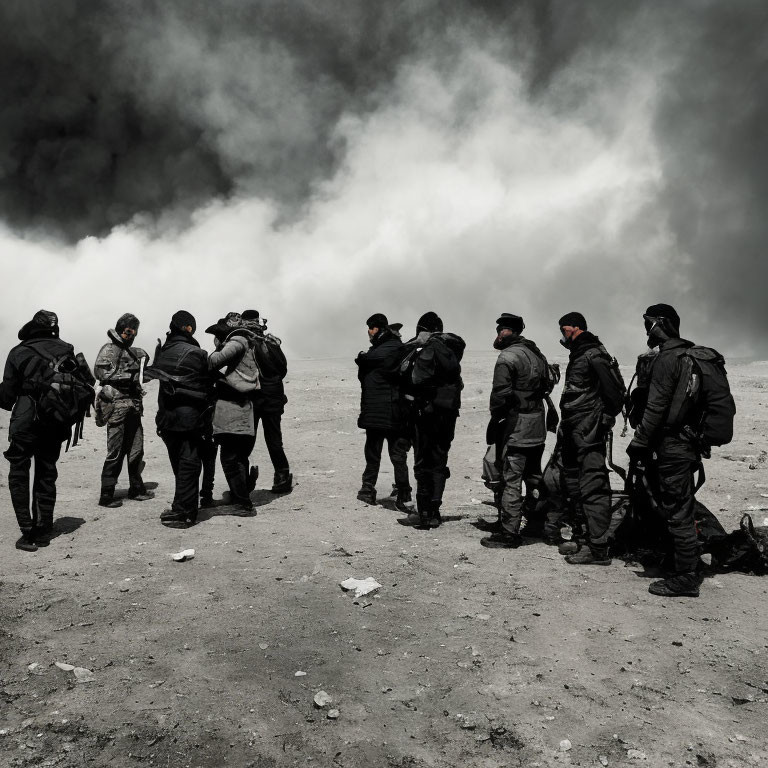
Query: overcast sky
{"points": [[324, 161]]}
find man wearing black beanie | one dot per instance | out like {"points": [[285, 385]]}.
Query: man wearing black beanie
{"points": [[667, 443], [383, 414], [430, 378], [183, 413], [119, 407], [593, 395]]}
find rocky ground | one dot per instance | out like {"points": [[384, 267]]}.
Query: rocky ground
{"points": [[463, 657]]}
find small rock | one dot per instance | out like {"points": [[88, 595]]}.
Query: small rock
{"points": [[333, 714], [263, 646], [35, 669], [603, 760], [185, 554], [636, 754], [63, 665], [299, 673], [83, 675], [565, 745], [322, 699]]}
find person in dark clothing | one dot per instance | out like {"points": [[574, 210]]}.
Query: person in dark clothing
{"points": [[269, 401], [591, 393], [517, 427], [233, 428], [29, 438], [382, 414], [668, 454], [119, 405], [431, 381], [183, 413]]}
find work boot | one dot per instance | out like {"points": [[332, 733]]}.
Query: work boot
{"points": [[502, 541], [403, 500], [140, 495], [679, 585], [569, 547], [283, 482], [253, 476], [42, 535], [589, 556], [107, 499], [206, 501], [414, 520], [242, 508], [367, 494], [170, 518], [26, 543], [433, 515], [395, 491]]}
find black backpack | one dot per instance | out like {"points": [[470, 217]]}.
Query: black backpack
{"points": [[429, 366], [62, 387], [702, 401], [614, 408]]}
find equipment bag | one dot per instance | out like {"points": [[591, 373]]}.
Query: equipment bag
{"points": [[246, 376], [63, 391], [702, 401], [614, 408]]}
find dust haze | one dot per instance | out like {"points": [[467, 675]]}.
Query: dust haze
{"points": [[320, 162]]}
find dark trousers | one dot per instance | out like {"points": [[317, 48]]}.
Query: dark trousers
{"points": [[273, 437], [433, 435], [46, 453], [235, 455], [208, 451], [588, 486], [397, 446], [520, 464], [674, 470], [184, 453], [124, 440]]}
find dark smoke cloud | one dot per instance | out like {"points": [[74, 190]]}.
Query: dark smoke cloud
{"points": [[144, 113]]}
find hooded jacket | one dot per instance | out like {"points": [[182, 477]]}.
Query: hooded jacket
{"points": [[233, 413], [589, 387], [14, 389], [377, 369], [517, 396], [665, 373], [184, 399], [431, 370]]}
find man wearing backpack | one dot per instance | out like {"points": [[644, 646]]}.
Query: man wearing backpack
{"points": [[31, 437], [593, 395], [430, 377], [119, 406], [269, 400], [233, 427], [183, 413], [676, 430], [517, 426], [382, 413]]}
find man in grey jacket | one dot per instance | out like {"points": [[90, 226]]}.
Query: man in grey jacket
{"points": [[119, 406], [518, 425]]}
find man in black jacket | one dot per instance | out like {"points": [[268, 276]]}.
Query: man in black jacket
{"points": [[677, 456], [183, 412], [592, 392], [269, 401], [29, 439], [381, 410], [431, 380]]}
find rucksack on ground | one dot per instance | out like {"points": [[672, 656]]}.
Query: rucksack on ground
{"points": [[63, 391], [702, 401]]}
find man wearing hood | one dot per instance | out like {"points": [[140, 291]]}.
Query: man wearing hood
{"points": [[670, 451], [119, 406], [592, 395], [518, 427], [430, 376], [270, 399], [29, 437], [233, 425], [382, 414], [183, 413]]}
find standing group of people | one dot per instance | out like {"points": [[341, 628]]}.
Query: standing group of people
{"points": [[411, 396], [206, 404]]}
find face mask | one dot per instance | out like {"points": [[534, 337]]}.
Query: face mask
{"points": [[565, 341], [654, 331]]}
